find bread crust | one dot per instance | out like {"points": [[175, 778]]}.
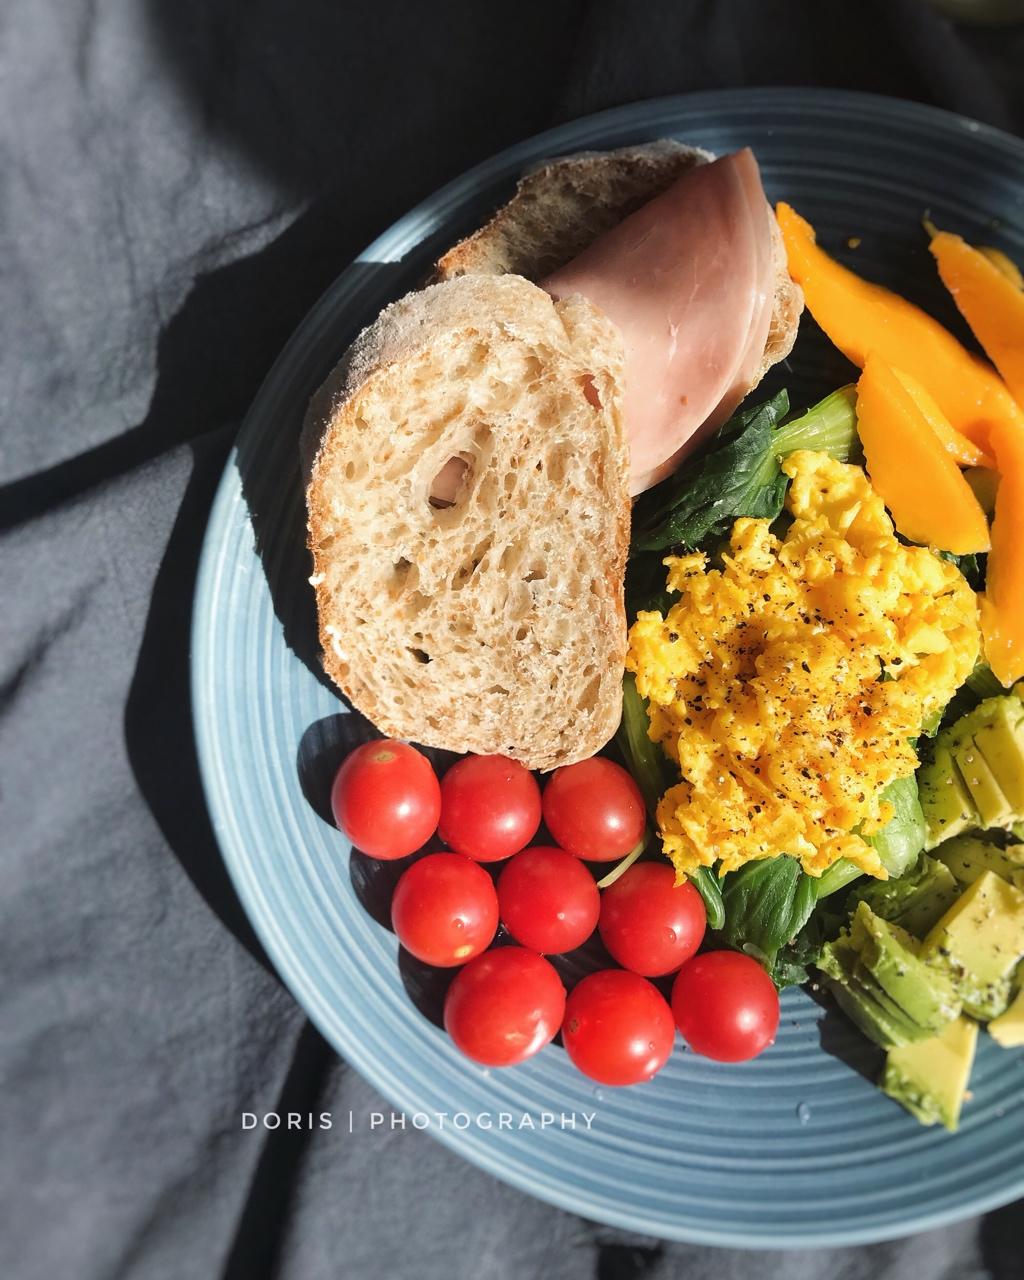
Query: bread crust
{"points": [[562, 206], [497, 625]]}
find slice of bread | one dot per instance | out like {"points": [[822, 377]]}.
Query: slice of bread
{"points": [[564, 205], [469, 521]]}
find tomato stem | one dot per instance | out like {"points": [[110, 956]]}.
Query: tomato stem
{"points": [[623, 866]]}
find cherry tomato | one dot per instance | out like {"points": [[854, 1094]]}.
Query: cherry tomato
{"points": [[504, 1006], [726, 1006], [649, 924], [386, 798], [490, 807], [445, 909], [617, 1027], [594, 809], [548, 900]]}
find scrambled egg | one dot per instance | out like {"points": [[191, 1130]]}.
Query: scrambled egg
{"points": [[787, 684]]}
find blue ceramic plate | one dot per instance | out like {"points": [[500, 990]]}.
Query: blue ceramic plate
{"points": [[796, 1148]]}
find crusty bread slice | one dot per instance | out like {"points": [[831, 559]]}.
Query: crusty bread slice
{"points": [[561, 207], [492, 621]]}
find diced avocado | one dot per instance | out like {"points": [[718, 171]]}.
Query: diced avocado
{"points": [[979, 942], [1008, 1028], [945, 801], [881, 984], [930, 1077], [975, 777], [887, 954], [878, 1023], [916, 900], [988, 797], [968, 856], [1001, 743], [865, 1005]]}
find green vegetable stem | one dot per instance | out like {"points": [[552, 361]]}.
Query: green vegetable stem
{"points": [[829, 427]]}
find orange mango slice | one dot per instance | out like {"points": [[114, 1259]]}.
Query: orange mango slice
{"points": [[964, 452], [859, 317], [911, 469], [1003, 263], [1002, 605], [991, 302]]}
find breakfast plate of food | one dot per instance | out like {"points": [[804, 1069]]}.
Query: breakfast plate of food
{"points": [[608, 667]]}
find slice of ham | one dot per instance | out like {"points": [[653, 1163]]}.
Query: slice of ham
{"points": [[689, 281]]}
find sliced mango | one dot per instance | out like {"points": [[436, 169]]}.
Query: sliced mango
{"points": [[860, 317], [1002, 605], [1003, 263], [917, 478], [964, 452], [991, 302]]}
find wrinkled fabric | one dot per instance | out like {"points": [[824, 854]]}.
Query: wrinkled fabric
{"points": [[181, 180]]}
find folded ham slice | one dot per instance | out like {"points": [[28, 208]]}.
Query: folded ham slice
{"points": [[689, 281]]}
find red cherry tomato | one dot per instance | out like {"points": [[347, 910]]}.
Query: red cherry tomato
{"points": [[445, 909], [617, 1027], [548, 900], [504, 1006], [386, 798], [726, 1006], [649, 924], [594, 809], [490, 807]]}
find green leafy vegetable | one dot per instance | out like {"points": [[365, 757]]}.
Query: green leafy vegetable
{"points": [[901, 840], [767, 903], [795, 960], [973, 567], [739, 473], [898, 843], [709, 887], [646, 762], [738, 476]]}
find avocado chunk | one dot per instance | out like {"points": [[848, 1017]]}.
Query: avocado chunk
{"points": [[945, 801], [862, 1000], [930, 1077], [968, 856], [867, 1014], [916, 900], [994, 808], [1001, 743], [882, 985], [1008, 1029], [975, 776], [888, 957], [979, 943]]}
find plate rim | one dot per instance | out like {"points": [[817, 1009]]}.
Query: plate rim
{"points": [[430, 211]]}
